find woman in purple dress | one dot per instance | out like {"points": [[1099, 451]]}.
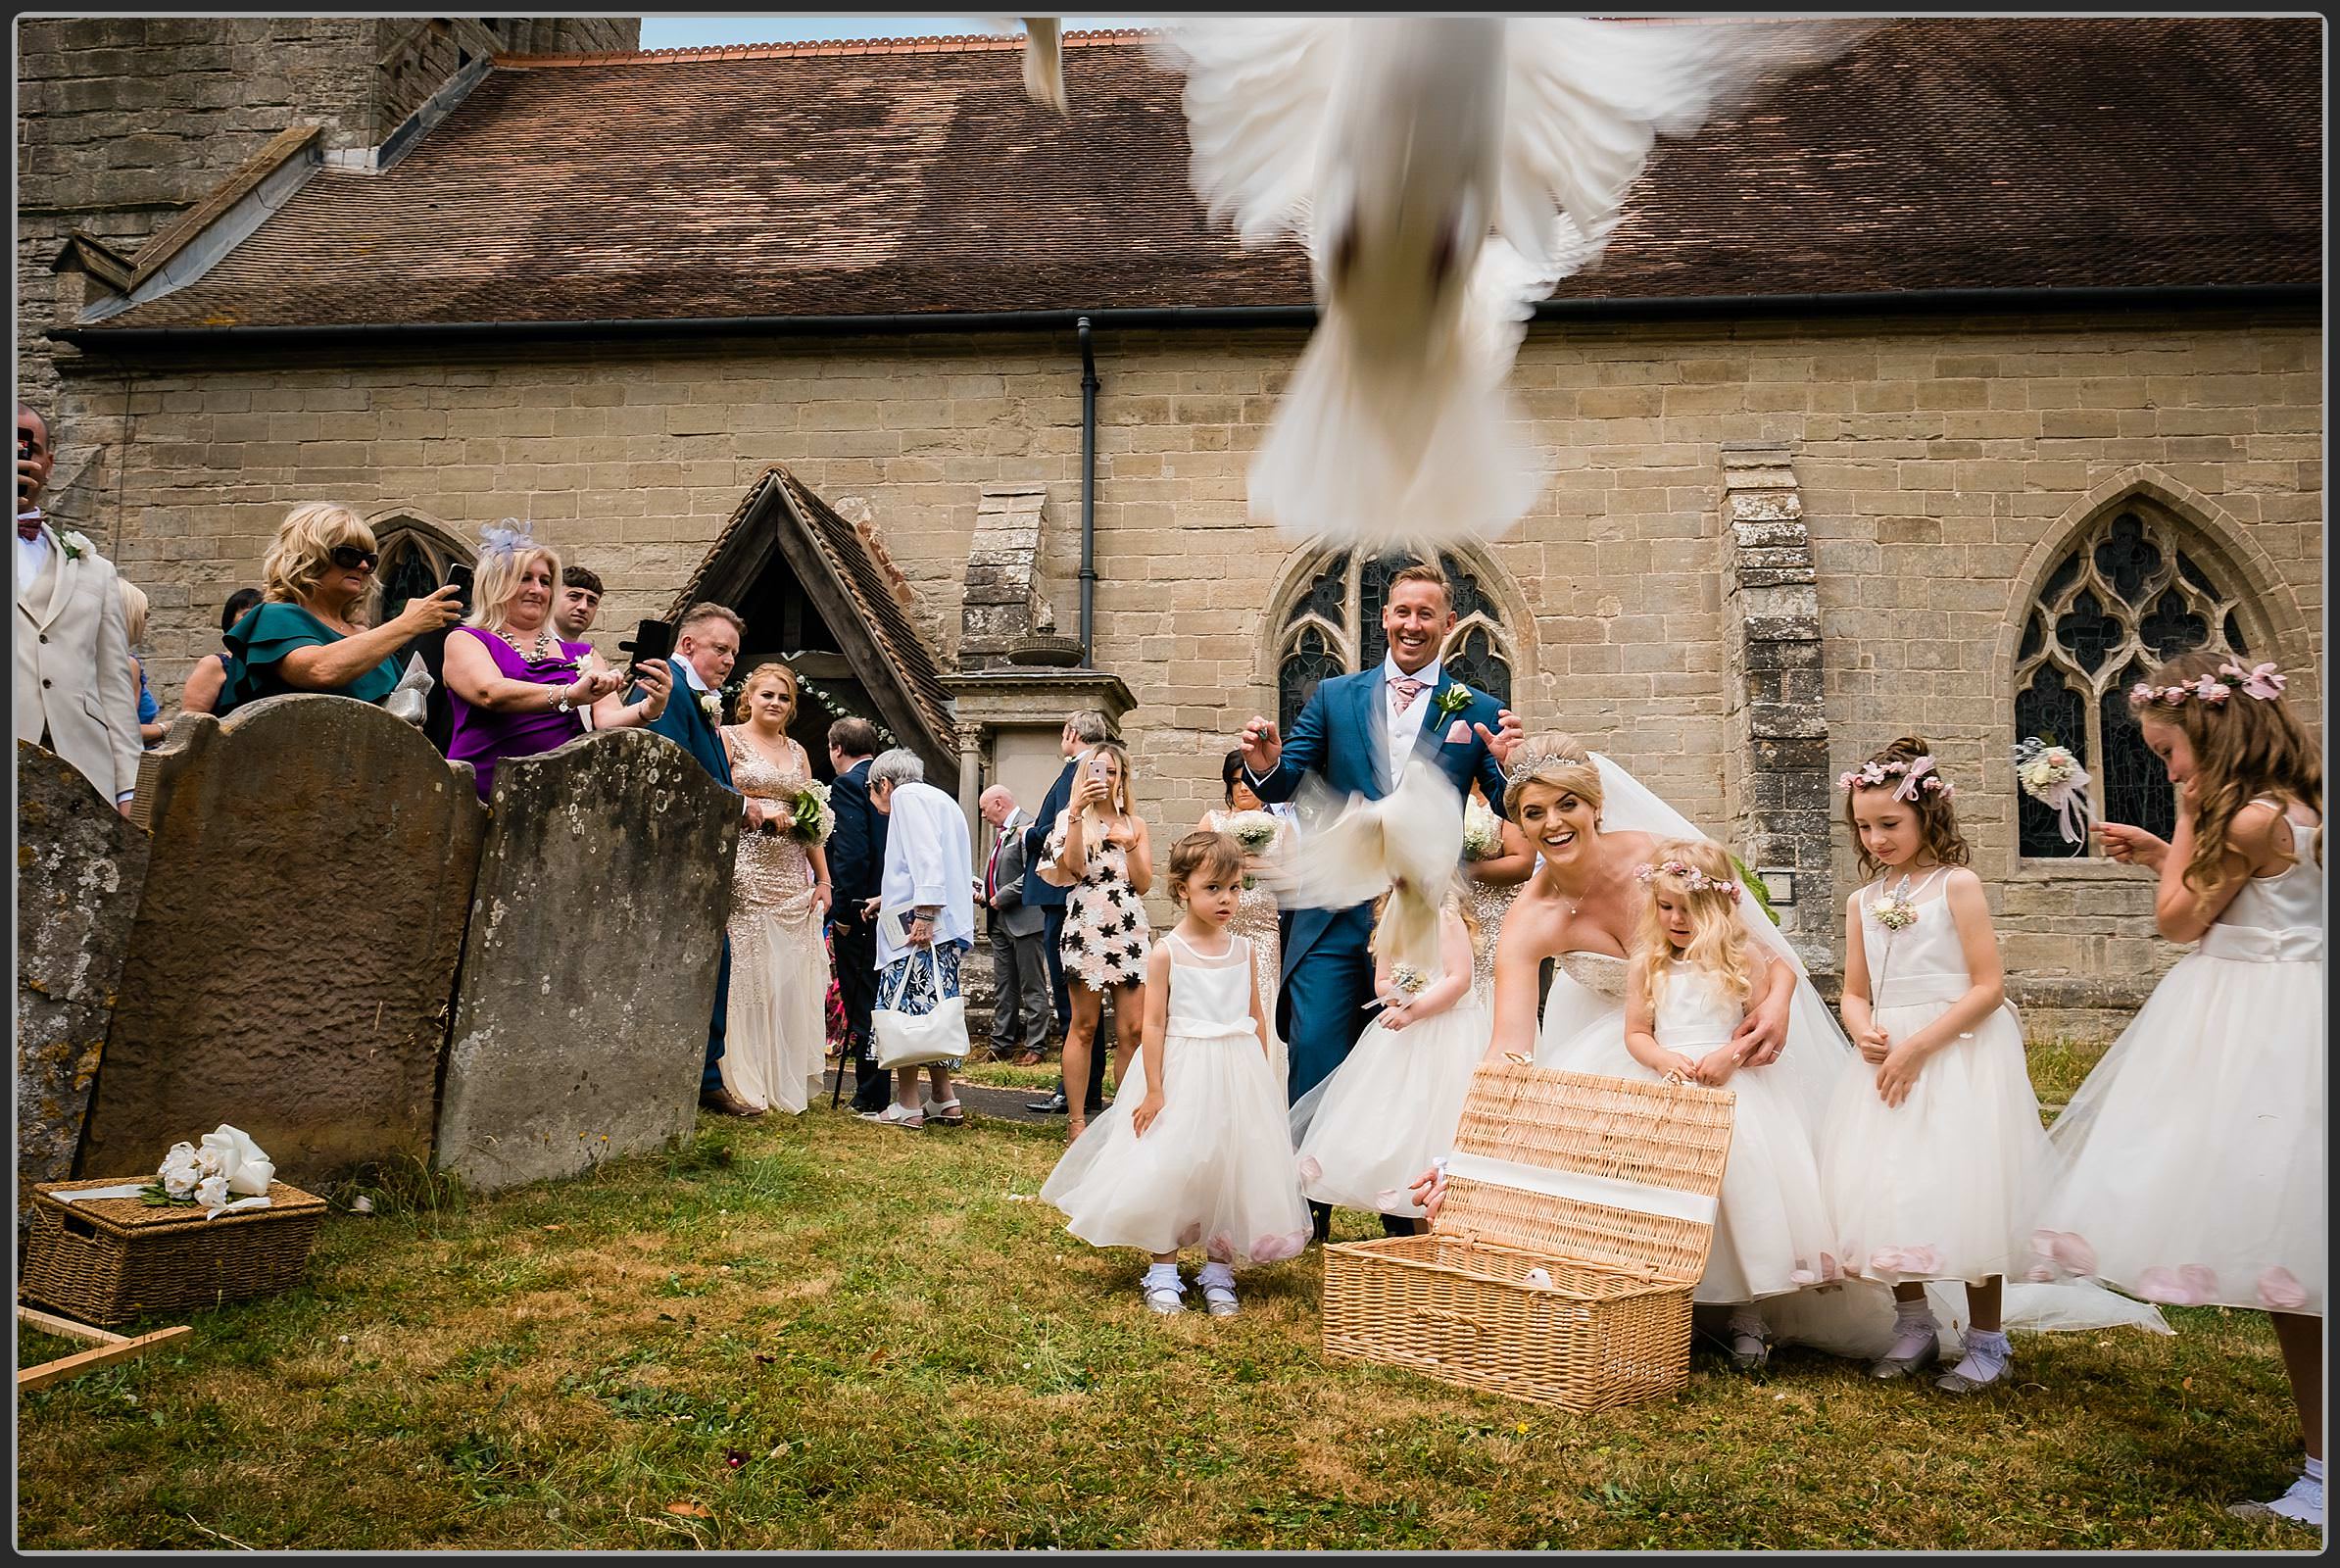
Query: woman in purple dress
{"points": [[516, 689]]}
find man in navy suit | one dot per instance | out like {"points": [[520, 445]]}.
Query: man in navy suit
{"points": [[1359, 733], [856, 865], [707, 644], [1082, 730]]}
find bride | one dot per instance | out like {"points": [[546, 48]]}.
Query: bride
{"points": [[1593, 824]]}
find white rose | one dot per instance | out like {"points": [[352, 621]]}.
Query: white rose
{"points": [[209, 1160], [212, 1192], [181, 1159], [711, 705], [179, 1183]]}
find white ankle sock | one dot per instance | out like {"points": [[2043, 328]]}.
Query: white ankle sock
{"points": [[1165, 1274], [1987, 1356], [1745, 1322], [2315, 1471], [1216, 1273]]}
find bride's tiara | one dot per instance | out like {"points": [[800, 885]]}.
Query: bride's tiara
{"points": [[1532, 759]]}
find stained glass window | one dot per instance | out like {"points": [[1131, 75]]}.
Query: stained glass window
{"points": [[1334, 628], [2123, 600]]}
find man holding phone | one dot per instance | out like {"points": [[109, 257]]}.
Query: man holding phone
{"points": [[75, 694], [706, 645]]}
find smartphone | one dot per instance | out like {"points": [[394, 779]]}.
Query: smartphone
{"points": [[23, 455], [652, 640], [1096, 767], [459, 576]]}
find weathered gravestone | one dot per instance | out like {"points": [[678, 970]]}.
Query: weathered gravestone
{"points": [[295, 949], [589, 969], [79, 869]]}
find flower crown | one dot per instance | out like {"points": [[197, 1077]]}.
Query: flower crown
{"points": [[510, 536], [1691, 878], [2263, 682], [1915, 774]]}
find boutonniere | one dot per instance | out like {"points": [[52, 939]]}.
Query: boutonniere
{"points": [[711, 705], [77, 545], [1453, 699]]}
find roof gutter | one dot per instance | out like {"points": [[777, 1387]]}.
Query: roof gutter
{"points": [[1171, 318]]}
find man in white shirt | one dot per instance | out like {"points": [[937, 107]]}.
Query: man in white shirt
{"points": [[74, 693], [925, 902]]}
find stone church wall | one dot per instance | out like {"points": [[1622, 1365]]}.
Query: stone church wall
{"points": [[1933, 459]]}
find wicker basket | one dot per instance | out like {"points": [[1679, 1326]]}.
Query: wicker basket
{"points": [[1614, 1325], [106, 1260]]}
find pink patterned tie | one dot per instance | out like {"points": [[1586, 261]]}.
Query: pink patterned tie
{"points": [[1408, 689]]}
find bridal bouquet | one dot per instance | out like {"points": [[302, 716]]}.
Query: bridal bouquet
{"points": [[811, 818], [2051, 776], [229, 1164], [1255, 831], [1483, 831]]}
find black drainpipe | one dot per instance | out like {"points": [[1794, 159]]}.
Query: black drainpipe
{"points": [[1089, 387]]}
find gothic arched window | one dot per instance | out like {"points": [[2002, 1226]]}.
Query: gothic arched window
{"points": [[415, 561], [1334, 628], [2124, 597]]}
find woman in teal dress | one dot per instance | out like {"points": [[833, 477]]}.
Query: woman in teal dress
{"points": [[307, 634]]}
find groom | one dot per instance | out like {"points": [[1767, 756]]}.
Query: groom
{"points": [[707, 644], [1359, 733]]}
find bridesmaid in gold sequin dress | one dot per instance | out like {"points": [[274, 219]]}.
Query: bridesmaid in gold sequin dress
{"points": [[779, 893]]}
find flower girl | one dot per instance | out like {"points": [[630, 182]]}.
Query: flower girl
{"points": [[1932, 1156], [1203, 1157], [1693, 975], [1392, 1107], [2194, 1152]]}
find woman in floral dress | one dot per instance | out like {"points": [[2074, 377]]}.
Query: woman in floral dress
{"points": [[1099, 849]]}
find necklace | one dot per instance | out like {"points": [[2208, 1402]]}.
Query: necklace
{"points": [[544, 641]]}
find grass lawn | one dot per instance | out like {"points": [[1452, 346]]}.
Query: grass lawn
{"points": [[820, 1332]]}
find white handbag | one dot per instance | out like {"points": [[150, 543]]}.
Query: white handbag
{"points": [[905, 1040]]}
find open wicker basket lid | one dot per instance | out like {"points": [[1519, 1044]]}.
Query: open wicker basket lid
{"points": [[1610, 1172]]}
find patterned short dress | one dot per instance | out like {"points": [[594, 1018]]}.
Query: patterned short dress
{"points": [[1106, 937]]}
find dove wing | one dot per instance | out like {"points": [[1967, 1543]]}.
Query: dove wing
{"points": [[1343, 855], [1256, 94]]}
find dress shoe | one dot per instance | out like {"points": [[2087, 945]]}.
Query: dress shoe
{"points": [[1053, 1106], [725, 1103]]}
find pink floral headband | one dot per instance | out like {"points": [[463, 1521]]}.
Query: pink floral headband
{"points": [[2263, 682], [1916, 773], [1693, 879]]}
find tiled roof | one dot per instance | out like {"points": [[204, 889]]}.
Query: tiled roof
{"points": [[905, 177], [778, 499]]}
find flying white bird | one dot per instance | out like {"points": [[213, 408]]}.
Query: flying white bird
{"points": [[1445, 172], [1044, 57], [1407, 844]]}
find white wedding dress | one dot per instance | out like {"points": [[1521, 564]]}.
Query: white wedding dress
{"points": [[1855, 1318]]}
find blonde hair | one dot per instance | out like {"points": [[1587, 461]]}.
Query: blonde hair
{"points": [[305, 542], [498, 579], [1718, 946], [770, 666], [2244, 746], [1558, 760], [133, 612], [1127, 791]]}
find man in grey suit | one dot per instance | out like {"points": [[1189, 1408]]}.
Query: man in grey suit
{"points": [[1019, 964]]}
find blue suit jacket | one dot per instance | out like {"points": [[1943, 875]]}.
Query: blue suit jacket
{"points": [[858, 846], [1339, 738], [1039, 894], [687, 727]]}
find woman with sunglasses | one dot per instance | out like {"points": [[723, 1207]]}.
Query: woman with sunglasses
{"points": [[309, 632]]}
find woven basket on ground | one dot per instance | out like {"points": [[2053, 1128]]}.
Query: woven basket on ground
{"points": [[1606, 1185], [109, 1260]]}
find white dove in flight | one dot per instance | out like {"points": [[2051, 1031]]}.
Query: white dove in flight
{"points": [[1044, 57], [1445, 172], [1407, 844]]}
